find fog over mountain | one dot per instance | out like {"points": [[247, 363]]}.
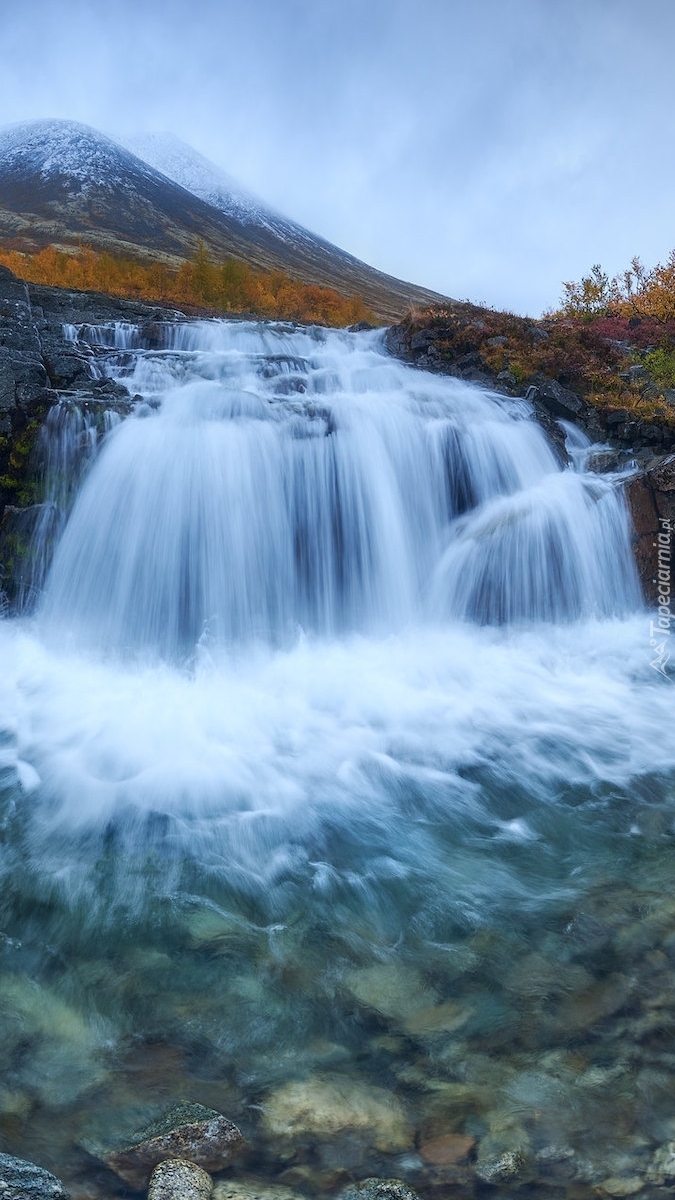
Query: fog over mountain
{"points": [[487, 150], [62, 183]]}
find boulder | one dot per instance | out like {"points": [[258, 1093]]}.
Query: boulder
{"points": [[509, 1167], [186, 1131], [378, 1189], [651, 498], [21, 1180], [559, 401]]}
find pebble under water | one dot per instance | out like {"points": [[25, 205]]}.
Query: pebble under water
{"points": [[336, 786]]}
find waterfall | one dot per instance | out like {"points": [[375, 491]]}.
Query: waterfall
{"points": [[280, 480], [66, 447], [333, 766]]}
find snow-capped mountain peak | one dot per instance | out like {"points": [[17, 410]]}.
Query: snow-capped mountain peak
{"points": [[187, 167], [67, 149]]}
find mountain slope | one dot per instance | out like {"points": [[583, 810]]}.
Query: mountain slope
{"points": [[63, 183]]}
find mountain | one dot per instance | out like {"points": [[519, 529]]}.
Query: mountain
{"points": [[63, 183]]}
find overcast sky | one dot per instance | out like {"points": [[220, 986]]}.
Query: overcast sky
{"points": [[485, 148]]}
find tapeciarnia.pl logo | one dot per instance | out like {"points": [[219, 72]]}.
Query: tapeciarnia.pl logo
{"points": [[660, 631]]}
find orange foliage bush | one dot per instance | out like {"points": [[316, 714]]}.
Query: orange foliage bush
{"points": [[637, 292], [230, 286]]}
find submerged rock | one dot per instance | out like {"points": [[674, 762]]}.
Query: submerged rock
{"points": [[620, 1186], [503, 1168], [21, 1180], [186, 1131], [448, 1150], [393, 990], [63, 1051], [253, 1189], [378, 1189], [326, 1107], [662, 1167], [178, 1179]]}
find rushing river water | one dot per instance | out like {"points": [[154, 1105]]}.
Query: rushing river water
{"points": [[336, 786]]}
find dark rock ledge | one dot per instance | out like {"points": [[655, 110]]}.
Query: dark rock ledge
{"points": [[40, 366]]}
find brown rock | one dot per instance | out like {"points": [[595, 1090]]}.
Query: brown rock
{"points": [[186, 1131], [448, 1150], [651, 498], [178, 1179]]}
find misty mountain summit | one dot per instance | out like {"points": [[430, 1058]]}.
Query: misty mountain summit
{"points": [[63, 183]]}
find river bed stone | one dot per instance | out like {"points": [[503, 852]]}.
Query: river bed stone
{"points": [[325, 1107], [186, 1131], [21, 1180], [178, 1179]]}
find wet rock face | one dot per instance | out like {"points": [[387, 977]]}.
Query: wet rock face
{"points": [[651, 496], [186, 1131], [20, 1180], [39, 367], [37, 363]]}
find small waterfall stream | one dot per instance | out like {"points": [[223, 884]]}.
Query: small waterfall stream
{"points": [[336, 789]]}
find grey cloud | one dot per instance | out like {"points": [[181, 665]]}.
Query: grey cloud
{"points": [[487, 149]]}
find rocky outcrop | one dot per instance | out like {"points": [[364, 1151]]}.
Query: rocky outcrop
{"points": [[446, 352], [650, 492], [40, 366]]}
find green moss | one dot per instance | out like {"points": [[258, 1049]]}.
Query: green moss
{"points": [[661, 366], [16, 476]]}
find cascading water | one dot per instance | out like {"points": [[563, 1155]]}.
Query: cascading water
{"points": [[294, 480], [336, 788]]}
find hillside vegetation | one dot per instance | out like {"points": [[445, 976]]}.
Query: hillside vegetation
{"points": [[610, 340], [226, 287]]}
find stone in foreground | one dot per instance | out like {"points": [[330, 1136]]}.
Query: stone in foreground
{"points": [[21, 1180], [186, 1131], [328, 1107], [178, 1179], [379, 1189], [254, 1189]]}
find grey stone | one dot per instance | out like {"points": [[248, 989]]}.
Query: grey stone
{"points": [[179, 1179], [186, 1131], [502, 1168], [21, 1180], [423, 339], [559, 401], [21, 379], [378, 1189]]}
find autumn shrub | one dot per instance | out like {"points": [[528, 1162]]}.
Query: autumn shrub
{"points": [[228, 286]]}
